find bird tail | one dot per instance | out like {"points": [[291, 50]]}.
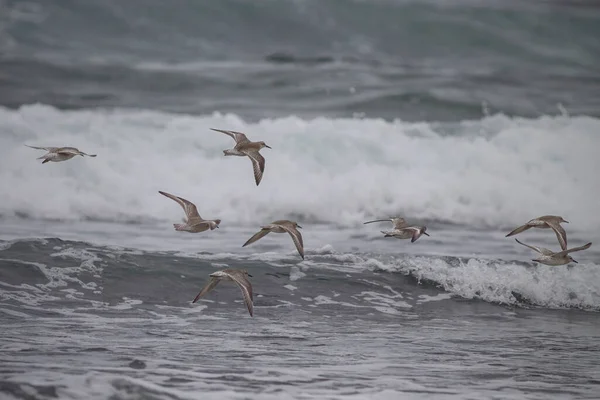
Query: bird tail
{"points": [[518, 230]]}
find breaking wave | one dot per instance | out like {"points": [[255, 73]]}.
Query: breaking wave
{"points": [[497, 171]]}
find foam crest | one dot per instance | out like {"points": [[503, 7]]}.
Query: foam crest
{"points": [[495, 171], [511, 283], [497, 281]]}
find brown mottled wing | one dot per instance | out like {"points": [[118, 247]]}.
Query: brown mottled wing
{"points": [[258, 164], [565, 252], [246, 288], [209, 286], [561, 235], [239, 137], [296, 237], [540, 250], [188, 207], [399, 222], [258, 235]]}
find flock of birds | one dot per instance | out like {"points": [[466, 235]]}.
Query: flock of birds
{"points": [[194, 223]]}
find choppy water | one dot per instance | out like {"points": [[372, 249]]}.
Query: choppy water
{"points": [[415, 60], [83, 321], [468, 117]]}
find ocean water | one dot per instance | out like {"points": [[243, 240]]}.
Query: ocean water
{"points": [[467, 117]]}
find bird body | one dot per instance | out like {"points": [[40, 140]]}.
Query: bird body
{"points": [[409, 232]]}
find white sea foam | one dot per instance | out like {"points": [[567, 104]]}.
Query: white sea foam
{"points": [[495, 171], [500, 281], [509, 282], [296, 274]]}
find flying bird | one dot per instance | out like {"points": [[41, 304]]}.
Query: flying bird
{"points": [[57, 154], [245, 148], [401, 229], [193, 222], [281, 226], [546, 222], [549, 257], [239, 277]]}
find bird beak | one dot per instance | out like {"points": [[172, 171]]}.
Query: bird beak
{"points": [[299, 226], [266, 145], [565, 221], [250, 276], [425, 233], [574, 261]]}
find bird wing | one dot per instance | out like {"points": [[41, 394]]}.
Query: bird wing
{"points": [[258, 164], [540, 250], [246, 288], [379, 220], [565, 252], [239, 137], [188, 207], [258, 235], [50, 149], [399, 222], [296, 237], [209, 286], [520, 229], [417, 232], [561, 235]]}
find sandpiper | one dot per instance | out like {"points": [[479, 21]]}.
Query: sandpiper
{"points": [[549, 257], [238, 276], [194, 222], [546, 222], [57, 154], [402, 230], [281, 226], [245, 148]]}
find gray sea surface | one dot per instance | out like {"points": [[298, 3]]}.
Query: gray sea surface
{"points": [[468, 117]]}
